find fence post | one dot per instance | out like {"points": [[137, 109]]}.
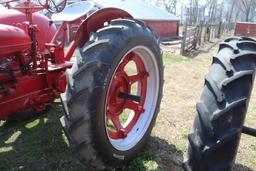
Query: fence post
{"points": [[219, 30], [200, 33], [184, 36], [206, 33]]}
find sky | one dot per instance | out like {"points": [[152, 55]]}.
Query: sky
{"points": [[181, 3]]}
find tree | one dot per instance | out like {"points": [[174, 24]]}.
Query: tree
{"points": [[193, 11], [212, 9], [231, 12], [169, 5], [248, 8]]}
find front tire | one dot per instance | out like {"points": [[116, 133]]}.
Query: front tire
{"points": [[100, 90], [221, 111]]}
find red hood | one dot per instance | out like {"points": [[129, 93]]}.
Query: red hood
{"points": [[13, 39], [45, 30]]}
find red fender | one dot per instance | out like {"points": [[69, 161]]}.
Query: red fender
{"points": [[96, 21]]}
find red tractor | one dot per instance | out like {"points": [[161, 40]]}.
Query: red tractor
{"points": [[90, 76]]}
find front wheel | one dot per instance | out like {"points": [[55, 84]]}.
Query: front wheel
{"points": [[114, 92]]}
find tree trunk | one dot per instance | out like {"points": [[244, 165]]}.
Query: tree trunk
{"points": [[247, 17], [231, 14]]}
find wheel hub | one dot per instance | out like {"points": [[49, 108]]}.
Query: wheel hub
{"points": [[120, 97], [120, 84]]}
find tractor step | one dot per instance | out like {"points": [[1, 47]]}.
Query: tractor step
{"points": [[249, 131]]}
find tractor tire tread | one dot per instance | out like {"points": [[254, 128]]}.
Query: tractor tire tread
{"points": [[217, 129]]}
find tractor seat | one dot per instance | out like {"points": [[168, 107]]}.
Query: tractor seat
{"points": [[73, 11]]}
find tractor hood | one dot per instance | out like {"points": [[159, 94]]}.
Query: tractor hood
{"points": [[46, 29], [13, 40]]}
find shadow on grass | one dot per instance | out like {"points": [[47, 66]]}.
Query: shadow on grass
{"points": [[192, 53], [37, 144], [158, 155]]}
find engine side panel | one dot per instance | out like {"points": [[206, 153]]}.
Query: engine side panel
{"points": [[28, 92]]}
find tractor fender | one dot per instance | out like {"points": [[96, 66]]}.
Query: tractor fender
{"points": [[96, 21]]}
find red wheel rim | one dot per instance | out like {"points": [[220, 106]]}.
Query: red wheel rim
{"points": [[120, 97]]}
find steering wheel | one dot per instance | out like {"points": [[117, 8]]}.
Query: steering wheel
{"points": [[52, 7]]}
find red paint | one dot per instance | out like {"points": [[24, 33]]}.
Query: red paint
{"points": [[164, 28], [27, 91], [61, 82], [71, 49], [96, 21], [32, 62], [45, 31], [73, 27], [13, 40], [122, 83], [33, 73], [245, 29]]}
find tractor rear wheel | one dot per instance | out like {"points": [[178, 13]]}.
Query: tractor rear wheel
{"points": [[111, 108], [221, 111]]}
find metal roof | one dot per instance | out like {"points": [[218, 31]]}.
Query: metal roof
{"points": [[243, 22], [138, 9]]}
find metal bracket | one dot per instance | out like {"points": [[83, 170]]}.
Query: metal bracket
{"points": [[249, 131]]}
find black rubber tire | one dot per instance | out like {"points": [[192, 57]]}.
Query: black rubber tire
{"points": [[221, 111], [88, 82]]}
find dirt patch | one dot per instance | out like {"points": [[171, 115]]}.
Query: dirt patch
{"points": [[171, 49]]}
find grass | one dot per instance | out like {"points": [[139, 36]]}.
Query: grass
{"points": [[39, 144], [253, 147], [175, 58], [145, 161], [35, 145]]}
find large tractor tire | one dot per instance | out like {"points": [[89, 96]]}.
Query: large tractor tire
{"points": [[109, 112], [221, 111]]}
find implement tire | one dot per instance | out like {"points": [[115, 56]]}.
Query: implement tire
{"points": [[221, 111]]}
